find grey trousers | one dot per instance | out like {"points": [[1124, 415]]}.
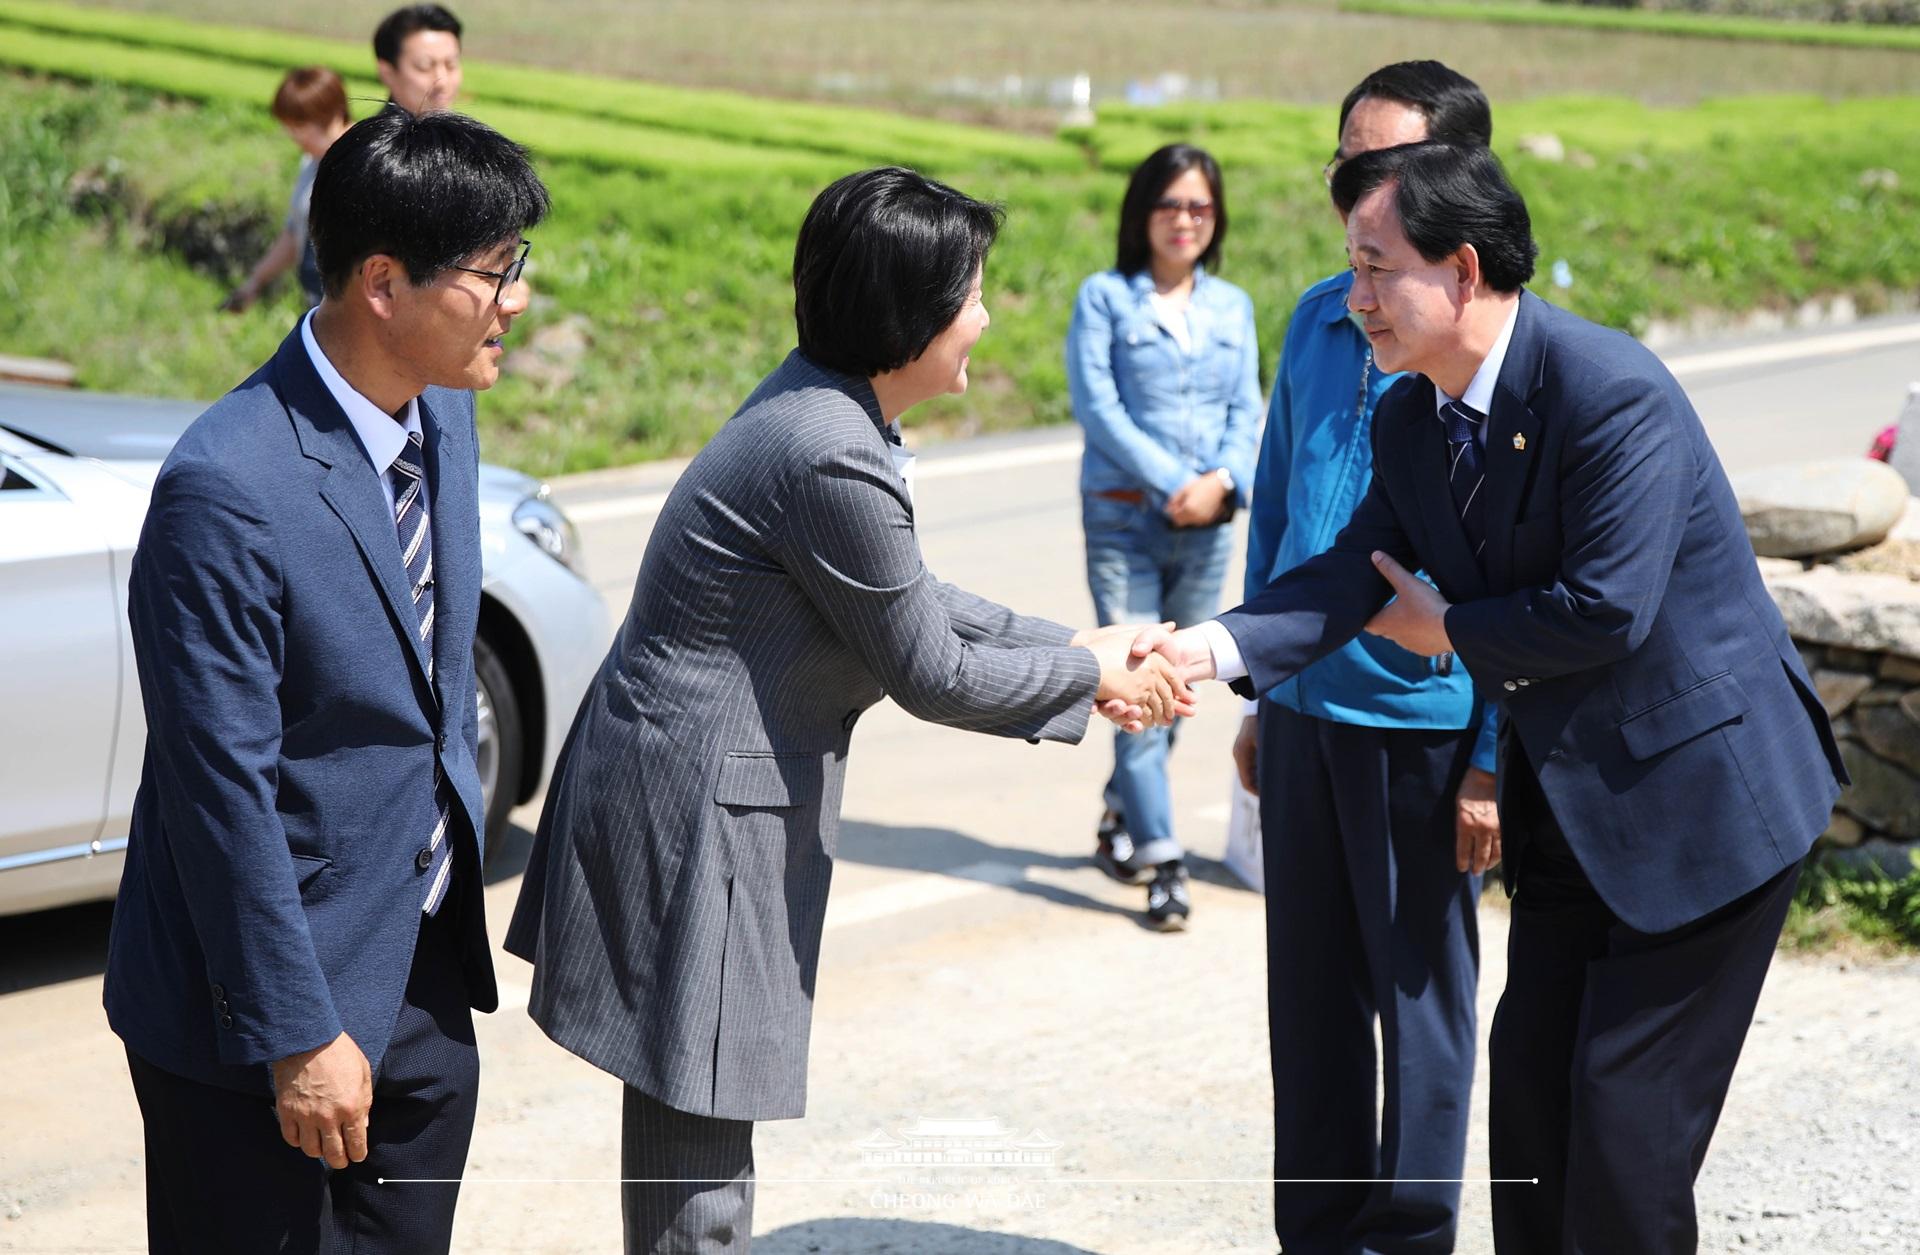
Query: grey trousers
{"points": [[688, 1180]]}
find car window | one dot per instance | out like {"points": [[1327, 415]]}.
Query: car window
{"points": [[11, 479]]}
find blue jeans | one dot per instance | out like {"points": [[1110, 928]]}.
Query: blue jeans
{"points": [[1142, 569]]}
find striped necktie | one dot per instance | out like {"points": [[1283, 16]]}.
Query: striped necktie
{"points": [[1466, 471], [414, 528]]}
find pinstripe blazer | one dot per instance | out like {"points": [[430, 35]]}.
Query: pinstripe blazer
{"points": [[673, 904]]}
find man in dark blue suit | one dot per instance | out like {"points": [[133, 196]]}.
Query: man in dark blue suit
{"points": [[299, 940], [1665, 764]]}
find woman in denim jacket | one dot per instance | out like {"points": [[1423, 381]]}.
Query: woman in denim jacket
{"points": [[1163, 368]]}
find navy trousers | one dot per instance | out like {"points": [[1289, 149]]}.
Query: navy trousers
{"points": [[1367, 919], [1612, 1050], [222, 1181]]}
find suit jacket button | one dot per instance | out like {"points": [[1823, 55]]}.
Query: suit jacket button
{"points": [[443, 740], [226, 1021], [1510, 686], [424, 859], [219, 994]]}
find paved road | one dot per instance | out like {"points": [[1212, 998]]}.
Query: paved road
{"points": [[976, 968]]}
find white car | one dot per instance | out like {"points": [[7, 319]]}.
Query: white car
{"points": [[76, 470]]}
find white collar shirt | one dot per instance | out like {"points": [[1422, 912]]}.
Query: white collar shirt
{"points": [[381, 436], [1479, 394]]}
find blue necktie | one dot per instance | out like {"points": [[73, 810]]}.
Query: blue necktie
{"points": [[415, 530], [1466, 471]]}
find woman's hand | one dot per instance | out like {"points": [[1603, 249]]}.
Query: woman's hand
{"points": [[1150, 688], [1199, 502]]}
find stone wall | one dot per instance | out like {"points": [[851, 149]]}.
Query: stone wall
{"points": [[1854, 611]]}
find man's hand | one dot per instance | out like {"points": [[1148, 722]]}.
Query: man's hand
{"points": [[323, 1098], [1246, 754], [1186, 649], [1149, 686], [1416, 619], [1199, 502], [1476, 823]]}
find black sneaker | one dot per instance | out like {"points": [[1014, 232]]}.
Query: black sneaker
{"points": [[1114, 853], [1167, 902]]}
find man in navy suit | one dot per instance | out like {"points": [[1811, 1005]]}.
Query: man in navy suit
{"points": [[1665, 764], [299, 941]]}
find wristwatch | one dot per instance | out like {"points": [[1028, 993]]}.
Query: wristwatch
{"points": [[1224, 475]]}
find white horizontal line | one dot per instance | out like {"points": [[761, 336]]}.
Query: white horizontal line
{"points": [[878, 1180], [917, 894], [1793, 350], [617, 508], [997, 460], [933, 468]]}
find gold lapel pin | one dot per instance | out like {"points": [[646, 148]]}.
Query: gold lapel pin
{"points": [[1519, 442]]}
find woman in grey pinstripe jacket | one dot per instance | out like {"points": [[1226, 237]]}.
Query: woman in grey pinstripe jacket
{"points": [[673, 904]]}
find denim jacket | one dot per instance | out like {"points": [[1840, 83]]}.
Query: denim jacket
{"points": [[1156, 415], [1316, 461]]}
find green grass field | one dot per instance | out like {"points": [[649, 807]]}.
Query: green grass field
{"points": [[1647, 22], [996, 60], [148, 151]]}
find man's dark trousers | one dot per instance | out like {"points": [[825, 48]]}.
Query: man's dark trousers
{"points": [[1609, 1043], [1367, 917], [220, 1179]]}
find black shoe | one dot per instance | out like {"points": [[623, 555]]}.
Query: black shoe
{"points": [[1167, 902], [1114, 853]]}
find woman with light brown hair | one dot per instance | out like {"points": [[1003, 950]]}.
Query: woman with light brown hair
{"points": [[311, 106]]}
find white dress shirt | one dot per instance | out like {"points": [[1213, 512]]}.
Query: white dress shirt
{"points": [[1227, 662], [382, 437], [1479, 394]]}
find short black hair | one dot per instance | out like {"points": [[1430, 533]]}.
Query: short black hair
{"points": [[1455, 108], [1149, 182], [884, 263], [429, 190], [397, 25], [1448, 195]]}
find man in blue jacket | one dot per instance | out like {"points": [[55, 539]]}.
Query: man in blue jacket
{"points": [[1374, 768], [299, 940], [1664, 761]]}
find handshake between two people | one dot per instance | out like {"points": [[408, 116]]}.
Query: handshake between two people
{"points": [[1147, 672]]}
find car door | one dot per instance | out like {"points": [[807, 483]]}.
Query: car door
{"points": [[60, 668]]}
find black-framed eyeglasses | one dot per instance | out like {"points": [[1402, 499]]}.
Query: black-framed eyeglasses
{"points": [[1201, 210], [1327, 171], [507, 277]]}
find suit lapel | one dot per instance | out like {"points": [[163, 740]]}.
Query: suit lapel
{"points": [[1513, 443], [1451, 564], [350, 487]]}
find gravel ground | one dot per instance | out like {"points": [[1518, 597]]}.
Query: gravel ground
{"points": [[1044, 1007]]}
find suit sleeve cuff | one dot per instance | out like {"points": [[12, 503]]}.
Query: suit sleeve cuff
{"points": [[1227, 663]]}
